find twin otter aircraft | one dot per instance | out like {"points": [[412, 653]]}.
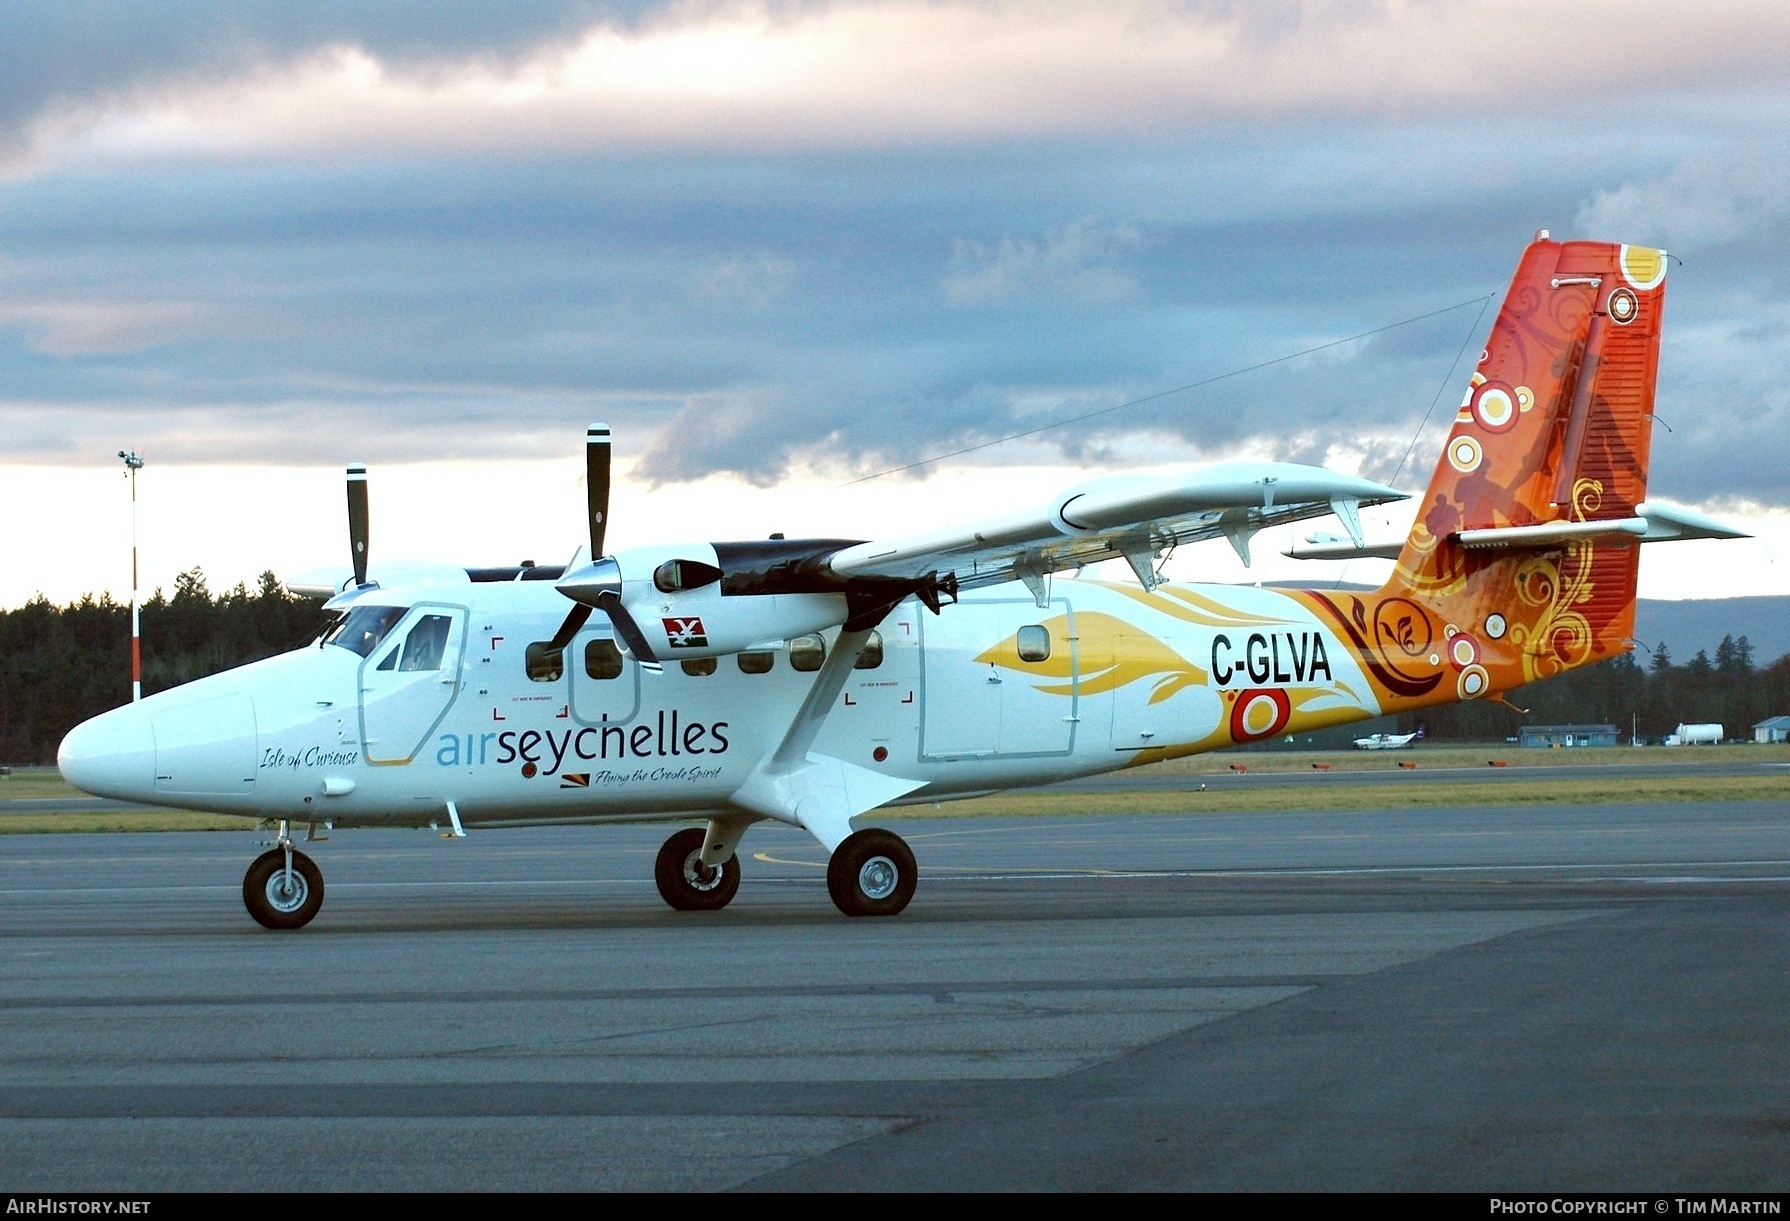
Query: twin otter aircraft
{"points": [[814, 680]]}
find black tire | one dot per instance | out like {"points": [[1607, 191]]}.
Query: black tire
{"points": [[685, 884], [262, 885], [872, 873]]}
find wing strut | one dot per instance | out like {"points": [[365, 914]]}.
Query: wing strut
{"points": [[819, 792]]}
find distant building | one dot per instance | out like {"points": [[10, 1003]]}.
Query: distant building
{"points": [[1567, 735], [1772, 729]]}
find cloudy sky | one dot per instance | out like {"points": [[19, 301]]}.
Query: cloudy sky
{"points": [[781, 246]]}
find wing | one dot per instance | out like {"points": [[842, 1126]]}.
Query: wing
{"points": [[1132, 517]]}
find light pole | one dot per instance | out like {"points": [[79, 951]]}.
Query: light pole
{"points": [[132, 464]]}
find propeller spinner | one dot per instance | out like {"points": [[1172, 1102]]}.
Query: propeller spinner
{"points": [[598, 584]]}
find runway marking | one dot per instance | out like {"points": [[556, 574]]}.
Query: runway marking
{"points": [[1354, 870]]}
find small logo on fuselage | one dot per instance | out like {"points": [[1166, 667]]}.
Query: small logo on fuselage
{"points": [[686, 632]]}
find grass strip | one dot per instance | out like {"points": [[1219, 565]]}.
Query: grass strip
{"points": [[1319, 797], [85, 822]]}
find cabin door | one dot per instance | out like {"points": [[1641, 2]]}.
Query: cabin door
{"points": [[410, 681]]}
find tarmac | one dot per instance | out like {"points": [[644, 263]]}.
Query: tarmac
{"points": [[1537, 998]]}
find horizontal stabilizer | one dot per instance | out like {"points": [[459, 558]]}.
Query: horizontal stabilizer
{"points": [[1343, 549], [1669, 523], [1653, 523], [1549, 534]]}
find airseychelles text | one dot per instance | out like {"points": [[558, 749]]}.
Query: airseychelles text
{"points": [[666, 736]]}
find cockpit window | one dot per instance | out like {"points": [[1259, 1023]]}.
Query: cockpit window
{"points": [[427, 641], [361, 629]]}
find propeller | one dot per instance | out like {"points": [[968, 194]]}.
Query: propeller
{"points": [[358, 521], [598, 584]]}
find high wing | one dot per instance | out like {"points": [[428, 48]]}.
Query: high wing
{"points": [[1135, 518]]}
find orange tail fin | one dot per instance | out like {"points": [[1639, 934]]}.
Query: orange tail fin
{"points": [[1553, 434]]}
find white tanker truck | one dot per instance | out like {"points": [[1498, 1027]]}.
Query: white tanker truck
{"points": [[1707, 734]]}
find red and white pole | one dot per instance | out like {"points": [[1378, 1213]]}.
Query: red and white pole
{"points": [[132, 464]]}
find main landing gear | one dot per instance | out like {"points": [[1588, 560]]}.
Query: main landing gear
{"points": [[871, 873], [283, 888]]}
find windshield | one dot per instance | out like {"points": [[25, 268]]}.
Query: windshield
{"points": [[362, 628], [426, 643]]}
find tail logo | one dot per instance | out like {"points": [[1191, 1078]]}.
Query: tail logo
{"points": [[1495, 406], [1464, 455], [1643, 266]]}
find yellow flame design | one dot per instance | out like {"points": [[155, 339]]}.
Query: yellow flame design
{"points": [[1112, 653], [1193, 607]]}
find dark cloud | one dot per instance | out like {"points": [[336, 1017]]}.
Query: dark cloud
{"points": [[860, 309]]}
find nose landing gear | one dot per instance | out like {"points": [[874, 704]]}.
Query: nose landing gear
{"points": [[283, 888], [689, 885]]}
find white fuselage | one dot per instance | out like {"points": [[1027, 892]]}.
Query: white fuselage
{"points": [[327, 734]]}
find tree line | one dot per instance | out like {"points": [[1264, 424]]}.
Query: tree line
{"points": [[1643, 691], [60, 665]]}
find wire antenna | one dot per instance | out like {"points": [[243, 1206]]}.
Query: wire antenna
{"points": [[1162, 394]]}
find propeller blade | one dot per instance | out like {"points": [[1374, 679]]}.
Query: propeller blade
{"points": [[627, 629], [574, 621], [357, 520], [596, 485]]}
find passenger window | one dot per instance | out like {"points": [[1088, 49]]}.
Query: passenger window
{"points": [[807, 652], [1034, 643], [602, 659], [699, 667], [361, 629], [426, 644], [872, 656], [544, 663], [756, 663]]}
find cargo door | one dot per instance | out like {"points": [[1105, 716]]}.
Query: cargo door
{"points": [[962, 716], [1039, 678]]}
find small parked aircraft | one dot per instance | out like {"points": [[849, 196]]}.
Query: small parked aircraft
{"points": [[814, 680], [1386, 741]]}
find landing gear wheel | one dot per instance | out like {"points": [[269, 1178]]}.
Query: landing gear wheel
{"points": [[872, 873], [689, 885], [277, 902]]}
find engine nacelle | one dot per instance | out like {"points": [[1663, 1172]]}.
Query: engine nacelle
{"points": [[675, 595]]}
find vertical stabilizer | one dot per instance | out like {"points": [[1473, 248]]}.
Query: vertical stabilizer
{"points": [[1552, 432]]}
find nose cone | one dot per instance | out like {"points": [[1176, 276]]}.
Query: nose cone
{"points": [[112, 755]]}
